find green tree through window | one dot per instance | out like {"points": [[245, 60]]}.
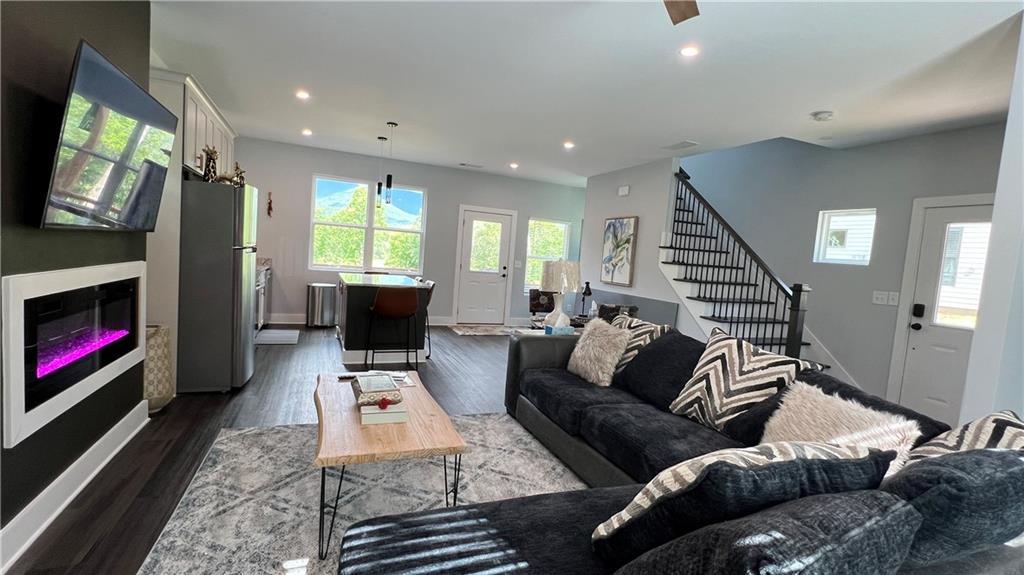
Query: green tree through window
{"points": [[344, 224], [546, 240]]}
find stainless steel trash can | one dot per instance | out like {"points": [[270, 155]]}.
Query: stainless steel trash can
{"points": [[321, 303]]}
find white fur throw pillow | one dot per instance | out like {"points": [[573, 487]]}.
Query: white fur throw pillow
{"points": [[598, 352], [809, 414]]}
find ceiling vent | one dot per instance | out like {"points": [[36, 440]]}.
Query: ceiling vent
{"points": [[468, 165], [680, 146]]}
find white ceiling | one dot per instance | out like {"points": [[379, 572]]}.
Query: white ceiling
{"points": [[490, 83]]}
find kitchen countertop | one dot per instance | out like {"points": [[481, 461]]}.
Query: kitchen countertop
{"points": [[378, 280]]}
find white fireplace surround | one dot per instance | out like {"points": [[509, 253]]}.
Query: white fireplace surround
{"points": [[16, 289]]}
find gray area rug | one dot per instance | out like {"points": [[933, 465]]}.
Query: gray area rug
{"points": [[252, 506]]}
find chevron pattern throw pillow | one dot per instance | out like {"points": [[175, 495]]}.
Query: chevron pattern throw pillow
{"points": [[641, 333], [731, 377], [1001, 430]]}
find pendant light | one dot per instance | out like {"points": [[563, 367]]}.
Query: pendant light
{"points": [[380, 170], [391, 155]]}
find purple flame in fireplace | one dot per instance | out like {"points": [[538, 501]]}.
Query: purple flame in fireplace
{"points": [[76, 349]]}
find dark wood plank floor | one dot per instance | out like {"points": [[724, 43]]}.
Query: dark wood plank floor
{"points": [[111, 526]]}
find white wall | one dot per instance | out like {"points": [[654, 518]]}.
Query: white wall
{"points": [[772, 191], [163, 245], [995, 372], [286, 171], [650, 188]]}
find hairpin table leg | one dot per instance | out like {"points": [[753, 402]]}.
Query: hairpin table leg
{"points": [[324, 506], [456, 475]]}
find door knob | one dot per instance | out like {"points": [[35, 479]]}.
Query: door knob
{"points": [[915, 326]]}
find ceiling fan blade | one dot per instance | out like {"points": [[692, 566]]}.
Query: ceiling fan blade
{"points": [[679, 10]]}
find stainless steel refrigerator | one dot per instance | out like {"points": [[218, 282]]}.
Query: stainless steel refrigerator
{"points": [[216, 287]]}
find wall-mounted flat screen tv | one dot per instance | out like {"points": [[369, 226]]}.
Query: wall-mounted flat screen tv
{"points": [[114, 151]]}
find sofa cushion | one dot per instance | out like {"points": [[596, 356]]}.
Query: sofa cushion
{"points": [[731, 377], [807, 413], [969, 501], [642, 440], [837, 534], [732, 483], [641, 334], [1000, 430], [539, 534], [659, 371], [563, 396], [598, 351], [748, 427]]}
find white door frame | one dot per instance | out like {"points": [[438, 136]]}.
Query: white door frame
{"points": [[463, 208], [901, 334]]}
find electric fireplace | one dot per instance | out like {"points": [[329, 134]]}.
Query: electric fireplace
{"points": [[72, 334], [66, 334]]}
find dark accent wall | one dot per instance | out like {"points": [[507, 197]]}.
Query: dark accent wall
{"points": [[37, 49]]}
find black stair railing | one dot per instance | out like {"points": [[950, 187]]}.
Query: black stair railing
{"points": [[744, 294]]}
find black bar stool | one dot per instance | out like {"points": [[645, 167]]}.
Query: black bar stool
{"points": [[395, 304], [430, 295]]}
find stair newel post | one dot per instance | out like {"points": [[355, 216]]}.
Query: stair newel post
{"points": [[795, 329]]}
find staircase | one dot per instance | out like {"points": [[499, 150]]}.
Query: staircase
{"points": [[723, 282]]}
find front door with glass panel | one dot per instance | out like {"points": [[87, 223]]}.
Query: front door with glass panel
{"points": [[954, 247], [483, 271]]}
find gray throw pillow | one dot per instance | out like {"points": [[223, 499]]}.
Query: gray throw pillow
{"points": [[837, 534], [731, 483], [969, 501], [598, 351]]}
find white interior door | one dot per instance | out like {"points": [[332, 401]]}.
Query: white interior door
{"points": [[954, 247], [484, 267]]}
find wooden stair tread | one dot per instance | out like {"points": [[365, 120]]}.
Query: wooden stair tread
{"points": [[737, 319], [771, 341], [731, 300], [714, 266], [715, 282]]}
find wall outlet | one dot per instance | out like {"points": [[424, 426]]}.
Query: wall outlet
{"points": [[880, 297], [623, 190], [894, 298]]}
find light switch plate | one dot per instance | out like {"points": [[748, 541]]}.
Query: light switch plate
{"points": [[623, 190], [894, 298], [880, 297]]}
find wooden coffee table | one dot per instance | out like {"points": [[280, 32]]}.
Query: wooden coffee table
{"points": [[342, 440]]}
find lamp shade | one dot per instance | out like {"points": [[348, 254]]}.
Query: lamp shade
{"points": [[560, 276]]}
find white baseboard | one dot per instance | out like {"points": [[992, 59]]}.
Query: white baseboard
{"points": [[442, 320], [28, 524], [818, 352], [288, 318]]}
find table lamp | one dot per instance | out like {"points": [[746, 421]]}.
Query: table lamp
{"points": [[559, 277]]}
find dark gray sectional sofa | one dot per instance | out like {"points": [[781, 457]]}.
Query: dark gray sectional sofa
{"points": [[615, 441]]}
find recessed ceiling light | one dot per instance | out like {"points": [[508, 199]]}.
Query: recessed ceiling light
{"points": [[514, 166], [302, 94], [689, 51], [568, 145], [822, 115], [307, 132]]}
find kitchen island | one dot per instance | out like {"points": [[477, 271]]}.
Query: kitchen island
{"points": [[356, 292]]}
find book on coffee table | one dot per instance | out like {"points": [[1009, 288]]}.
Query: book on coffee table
{"points": [[371, 388], [372, 414]]}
